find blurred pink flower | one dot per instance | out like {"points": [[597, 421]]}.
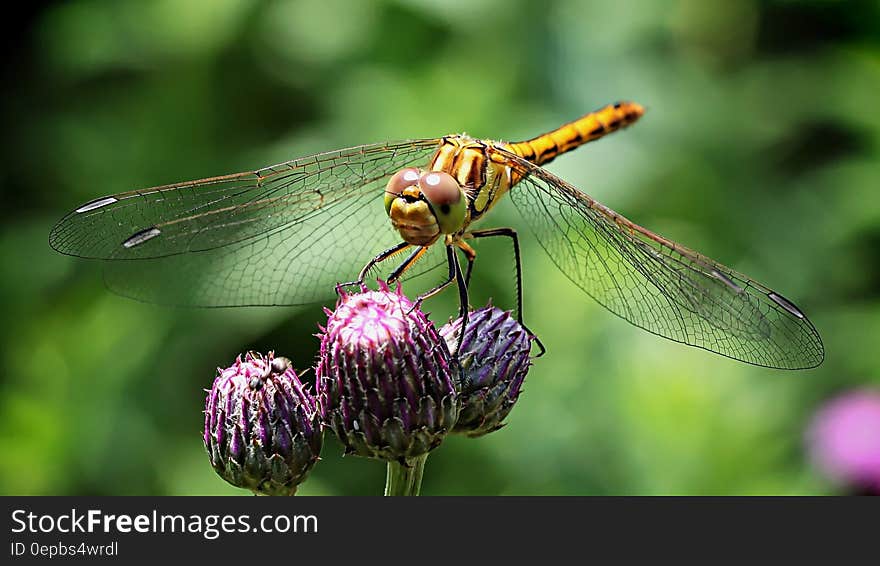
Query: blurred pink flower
{"points": [[844, 440]]}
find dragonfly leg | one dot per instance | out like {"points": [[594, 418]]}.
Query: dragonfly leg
{"points": [[462, 298], [370, 264], [471, 255], [452, 262], [407, 263], [511, 233], [455, 275]]}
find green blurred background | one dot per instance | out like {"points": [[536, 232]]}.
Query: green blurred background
{"points": [[759, 148]]}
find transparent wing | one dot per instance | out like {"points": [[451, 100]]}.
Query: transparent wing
{"points": [[657, 284], [282, 235]]}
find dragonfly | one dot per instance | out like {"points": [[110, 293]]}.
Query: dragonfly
{"points": [[287, 234]]}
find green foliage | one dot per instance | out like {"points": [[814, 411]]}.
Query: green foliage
{"points": [[759, 148]]}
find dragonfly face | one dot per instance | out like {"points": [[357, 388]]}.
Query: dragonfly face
{"points": [[289, 233], [424, 205]]}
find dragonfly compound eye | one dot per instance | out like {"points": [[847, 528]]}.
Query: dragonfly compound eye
{"points": [[400, 181], [447, 200]]}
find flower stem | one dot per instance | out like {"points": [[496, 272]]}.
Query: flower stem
{"points": [[405, 479]]}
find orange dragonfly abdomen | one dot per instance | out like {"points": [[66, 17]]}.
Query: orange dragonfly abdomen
{"points": [[592, 126]]}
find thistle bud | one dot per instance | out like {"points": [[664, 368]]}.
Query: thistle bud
{"points": [[262, 426], [494, 358], [385, 377]]}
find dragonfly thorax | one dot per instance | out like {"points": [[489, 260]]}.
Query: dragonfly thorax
{"points": [[424, 205]]}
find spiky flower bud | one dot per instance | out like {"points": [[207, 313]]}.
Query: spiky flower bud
{"points": [[494, 358], [262, 426], [385, 377]]}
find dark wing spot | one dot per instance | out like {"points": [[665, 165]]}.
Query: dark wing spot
{"points": [[786, 304], [139, 238], [93, 204]]}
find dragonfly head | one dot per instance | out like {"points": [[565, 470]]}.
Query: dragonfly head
{"points": [[423, 205]]}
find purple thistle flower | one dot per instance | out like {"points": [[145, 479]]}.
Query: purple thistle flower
{"points": [[494, 358], [262, 426], [844, 439], [385, 377]]}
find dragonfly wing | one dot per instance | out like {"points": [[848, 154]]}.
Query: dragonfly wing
{"points": [[298, 264], [657, 284], [219, 211], [283, 235]]}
